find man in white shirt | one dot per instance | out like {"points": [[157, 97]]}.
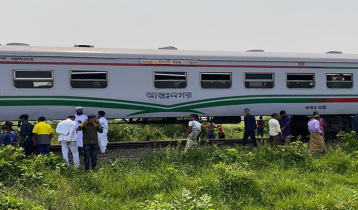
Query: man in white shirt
{"points": [[102, 137], [275, 130], [79, 118], [68, 139], [194, 130]]}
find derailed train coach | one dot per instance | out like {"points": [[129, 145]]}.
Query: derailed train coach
{"points": [[169, 84]]}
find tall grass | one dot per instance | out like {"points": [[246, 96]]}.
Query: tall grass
{"points": [[286, 177]]}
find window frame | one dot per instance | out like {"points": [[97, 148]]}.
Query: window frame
{"points": [[224, 73], [326, 74], [314, 81], [33, 79], [186, 80], [263, 80], [94, 80]]}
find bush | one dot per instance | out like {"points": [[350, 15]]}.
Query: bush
{"points": [[349, 141], [29, 171], [183, 202], [292, 155]]}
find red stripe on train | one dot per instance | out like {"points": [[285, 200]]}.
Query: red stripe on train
{"points": [[341, 100], [135, 64]]}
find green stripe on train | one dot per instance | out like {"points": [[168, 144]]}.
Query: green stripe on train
{"points": [[179, 104], [147, 110]]}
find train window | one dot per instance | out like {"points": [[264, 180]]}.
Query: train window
{"points": [[41, 79], [215, 80], [259, 80], [89, 79], [300, 81], [173, 80], [339, 80]]}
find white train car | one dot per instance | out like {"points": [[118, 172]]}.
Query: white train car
{"points": [[167, 83]]}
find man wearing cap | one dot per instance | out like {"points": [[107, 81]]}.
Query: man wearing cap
{"points": [[79, 118]]}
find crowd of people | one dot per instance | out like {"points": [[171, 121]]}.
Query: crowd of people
{"points": [[279, 130], [88, 132]]}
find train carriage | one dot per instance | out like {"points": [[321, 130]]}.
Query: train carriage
{"points": [[169, 83]]}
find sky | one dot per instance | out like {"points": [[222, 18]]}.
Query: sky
{"points": [[307, 26]]}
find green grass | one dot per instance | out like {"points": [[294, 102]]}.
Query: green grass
{"points": [[286, 177]]}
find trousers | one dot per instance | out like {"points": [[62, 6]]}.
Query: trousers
{"points": [[27, 145], [248, 134], [74, 149], [43, 149], [90, 151], [210, 136]]}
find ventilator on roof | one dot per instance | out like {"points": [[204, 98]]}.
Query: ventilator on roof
{"points": [[84, 45], [18, 44], [168, 48], [334, 52], [255, 50]]}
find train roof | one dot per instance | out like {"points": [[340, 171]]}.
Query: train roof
{"points": [[112, 53]]}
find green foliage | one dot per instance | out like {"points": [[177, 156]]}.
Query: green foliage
{"points": [[29, 171], [182, 202], [294, 154], [284, 177], [349, 141], [140, 132]]}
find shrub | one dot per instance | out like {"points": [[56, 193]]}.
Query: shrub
{"points": [[335, 160], [30, 170], [349, 141], [184, 201], [291, 155]]}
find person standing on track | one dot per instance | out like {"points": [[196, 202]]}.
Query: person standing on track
{"points": [[250, 127], [68, 139], [275, 130], [194, 130], [316, 140], [102, 137], [42, 136], [79, 118], [285, 124], [260, 127], [26, 134], [321, 123], [90, 127], [211, 130]]}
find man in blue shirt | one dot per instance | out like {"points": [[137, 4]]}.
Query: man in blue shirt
{"points": [[250, 127], [7, 137], [26, 134]]}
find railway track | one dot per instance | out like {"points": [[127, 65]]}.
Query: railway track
{"points": [[158, 144]]}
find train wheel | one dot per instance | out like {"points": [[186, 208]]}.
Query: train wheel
{"points": [[298, 126]]}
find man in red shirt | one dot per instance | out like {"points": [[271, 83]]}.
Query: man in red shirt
{"points": [[260, 127], [211, 130]]}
